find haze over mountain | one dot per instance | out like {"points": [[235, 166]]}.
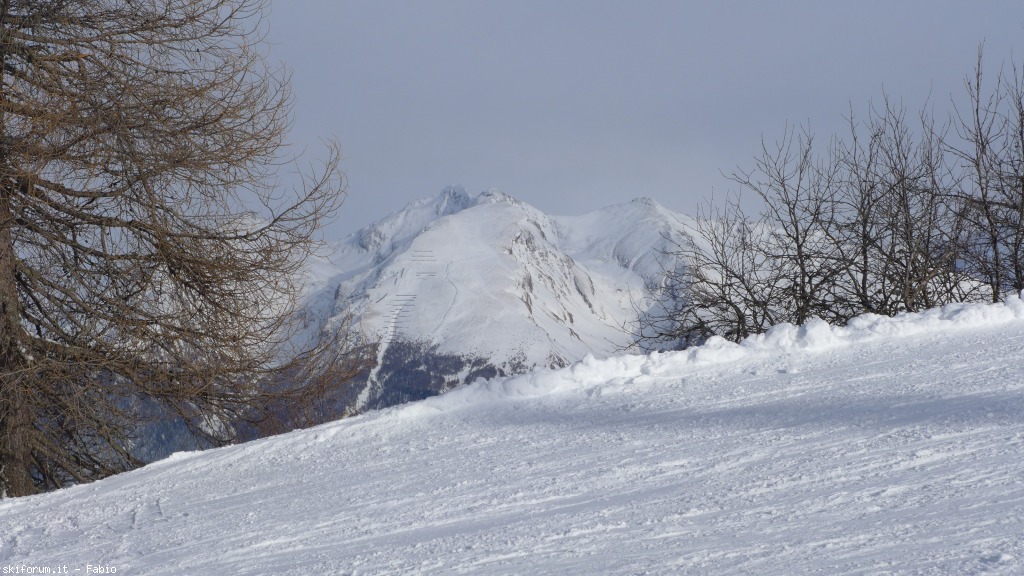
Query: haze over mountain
{"points": [[456, 287]]}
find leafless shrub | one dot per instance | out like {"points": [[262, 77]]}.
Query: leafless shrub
{"points": [[897, 216]]}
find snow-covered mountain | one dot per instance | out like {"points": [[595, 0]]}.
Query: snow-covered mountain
{"points": [[456, 287], [890, 446]]}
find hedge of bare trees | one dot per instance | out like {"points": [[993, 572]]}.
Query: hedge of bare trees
{"points": [[901, 213]]}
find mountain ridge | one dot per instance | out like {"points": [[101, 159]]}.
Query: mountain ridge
{"points": [[455, 287]]}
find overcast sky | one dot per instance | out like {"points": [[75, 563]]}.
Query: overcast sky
{"points": [[572, 105]]}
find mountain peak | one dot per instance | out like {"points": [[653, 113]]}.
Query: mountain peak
{"points": [[457, 287], [411, 220], [451, 200], [495, 196], [646, 201]]}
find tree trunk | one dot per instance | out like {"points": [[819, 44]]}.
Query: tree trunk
{"points": [[15, 412]]}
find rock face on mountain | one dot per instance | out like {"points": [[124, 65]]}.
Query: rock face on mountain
{"points": [[456, 287]]}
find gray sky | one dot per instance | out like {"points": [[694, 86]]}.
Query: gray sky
{"points": [[572, 105]]}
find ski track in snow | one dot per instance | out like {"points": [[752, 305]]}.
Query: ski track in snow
{"points": [[892, 446]]}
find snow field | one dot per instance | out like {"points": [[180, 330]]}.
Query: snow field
{"points": [[892, 446]]}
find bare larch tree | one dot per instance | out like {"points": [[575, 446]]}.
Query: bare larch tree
{"points": [[148, 257]]}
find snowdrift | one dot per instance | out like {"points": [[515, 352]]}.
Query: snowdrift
{"points": [[892, 445], [781, 339]]}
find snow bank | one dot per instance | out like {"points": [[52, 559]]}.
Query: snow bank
{"points": [[816, 335], [819, 335]]}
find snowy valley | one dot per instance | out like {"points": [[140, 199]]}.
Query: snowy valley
{"points": [[889, 446]]}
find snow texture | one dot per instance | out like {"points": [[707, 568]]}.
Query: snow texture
{"points": [[890, 446]]}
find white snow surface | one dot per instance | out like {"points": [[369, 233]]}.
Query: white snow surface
{"points": [[890, 446]]}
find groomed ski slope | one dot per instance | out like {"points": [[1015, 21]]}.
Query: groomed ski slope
{"points": [[892, 446]]}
